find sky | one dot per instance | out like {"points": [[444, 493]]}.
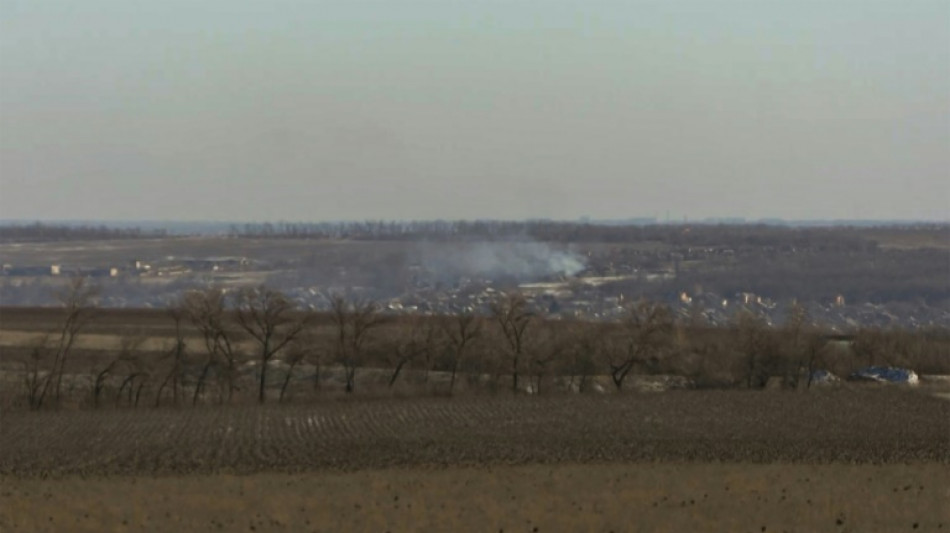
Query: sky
{"points": [[274, 110]]}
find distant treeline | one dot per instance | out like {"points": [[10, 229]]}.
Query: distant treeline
{"points": [[738, 236], [741, 235], [39, 232]]}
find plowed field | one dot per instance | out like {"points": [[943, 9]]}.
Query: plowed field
{"points": [[862, 426]]}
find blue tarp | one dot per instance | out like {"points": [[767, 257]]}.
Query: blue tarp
{"points": [[885, 374]]}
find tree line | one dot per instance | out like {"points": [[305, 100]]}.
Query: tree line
{"points": [[739, 236], [226, 343], [821, 238], [40, 232]]}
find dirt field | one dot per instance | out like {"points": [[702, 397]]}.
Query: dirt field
{"points": [[843, 426], [553, 498], [844, 460], [98, 253]]}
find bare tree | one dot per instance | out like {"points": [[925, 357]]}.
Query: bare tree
{"points": [[78, 300], [551, 348], [869, 345], [813, 354], [101, 378], [269, 317], [405, 347], [513, 316], [430, 348], [138, 374], [421, 340], [752, 334], [462, 332], [34, 375], [580, 361], [128, 345], [318, 355], [796, 322], [646, 330], [207, 312], [800, 344], [353, 321], [295, 353], [177, 354]]}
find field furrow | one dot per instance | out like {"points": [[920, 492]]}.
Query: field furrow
{"points": [[864, 426]]}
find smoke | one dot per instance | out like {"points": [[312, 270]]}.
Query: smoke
{"points": [[521, 260]]}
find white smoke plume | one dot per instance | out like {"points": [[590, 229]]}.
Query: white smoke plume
{"points": [[522, 260]]}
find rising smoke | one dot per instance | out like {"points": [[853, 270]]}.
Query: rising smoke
{"points": [[519, 260]]}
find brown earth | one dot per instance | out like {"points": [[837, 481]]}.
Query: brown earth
{"points": [[838, 426], [674, 497], [839, 460]]}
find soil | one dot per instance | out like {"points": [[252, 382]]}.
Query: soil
{"points": [[667, 497]]}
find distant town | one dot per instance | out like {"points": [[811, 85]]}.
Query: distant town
{"points": [[705, 273]]}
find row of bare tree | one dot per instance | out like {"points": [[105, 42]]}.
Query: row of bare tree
{"points": [[222, 337], [44, 368]]}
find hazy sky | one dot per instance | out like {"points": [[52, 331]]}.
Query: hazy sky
{"points": [[310, 110]]}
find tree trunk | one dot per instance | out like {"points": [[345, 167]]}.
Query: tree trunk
{"points": [[59, 380], [128, 381], [33, 384], [175, 380], [47, 381], [161, 388], [174, 376], [100, 383], [260, 396], [392, 379], [201, 382], [231, 376], [138, 391], [619, 373], [514, 375], [455, 369], [350, 378], [283, 387]]}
